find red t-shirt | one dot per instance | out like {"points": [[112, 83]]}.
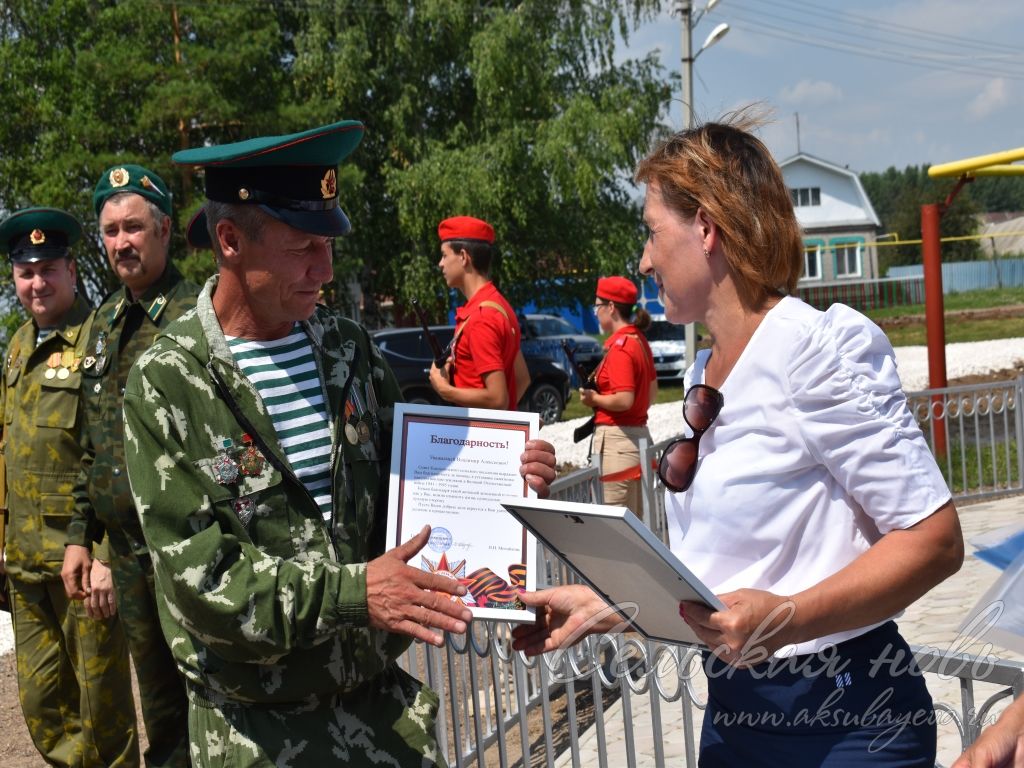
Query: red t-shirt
{"points": [[628, 366], [489, 341]]}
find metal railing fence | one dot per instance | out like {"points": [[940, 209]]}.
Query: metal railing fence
{"points": [[975, 432], [621, 700], [864, 294]]}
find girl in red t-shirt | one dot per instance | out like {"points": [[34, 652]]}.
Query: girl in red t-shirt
{"points": [[626, 386]]}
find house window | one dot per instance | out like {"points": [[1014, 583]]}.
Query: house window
{"points": [[804, 196], [812, 262], [847, 259]]}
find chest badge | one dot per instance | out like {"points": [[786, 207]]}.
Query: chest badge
{"points": [[251, 462], [225, 469], [245, 508]]}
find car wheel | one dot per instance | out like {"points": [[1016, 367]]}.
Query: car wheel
{"points": [[546, 400]]}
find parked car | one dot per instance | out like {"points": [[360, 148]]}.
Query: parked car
{"points": [[668, 345], [408, 353], [543, 334]]}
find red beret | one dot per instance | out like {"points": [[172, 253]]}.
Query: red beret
{"points": [[617, 289], [465, 228]]}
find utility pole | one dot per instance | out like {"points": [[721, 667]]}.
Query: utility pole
{"points": [[686, 12]]}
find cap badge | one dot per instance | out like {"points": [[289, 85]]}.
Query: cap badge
{"points": [[329, 184], [119, 177], [148, 184], [37, 237], [243, 194]]}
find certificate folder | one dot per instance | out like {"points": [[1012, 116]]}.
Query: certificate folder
{"points": [[621, 559]]}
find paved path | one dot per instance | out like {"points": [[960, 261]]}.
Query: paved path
{"points": [[933, 621]]}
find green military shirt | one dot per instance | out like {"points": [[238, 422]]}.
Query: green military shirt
{"points": [[265, 600], [42, 422], [122, 331]]}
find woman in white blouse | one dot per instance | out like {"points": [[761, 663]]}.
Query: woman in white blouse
{"points": [[805, 494]]}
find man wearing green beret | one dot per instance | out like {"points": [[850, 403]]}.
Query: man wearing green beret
{"points": [[74, 680], [258, 432], [133, 206]]}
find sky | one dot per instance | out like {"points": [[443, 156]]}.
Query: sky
{"points": [[875, 84]]}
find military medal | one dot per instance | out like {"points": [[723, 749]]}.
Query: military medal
{"points": [[88, 362], [52, 363], [350, 433], [363, 431], [101, 343], [245, 508], [67, 359], [225, 470], [251, 461]]}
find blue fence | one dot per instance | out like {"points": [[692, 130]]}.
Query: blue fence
{"points": [[960, 276]]}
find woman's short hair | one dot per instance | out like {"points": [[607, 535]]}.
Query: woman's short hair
{"points": [[725, 170]]}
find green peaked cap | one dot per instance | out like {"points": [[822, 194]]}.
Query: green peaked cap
{"points": [[131, 178], [291, 177], [35, 234]]}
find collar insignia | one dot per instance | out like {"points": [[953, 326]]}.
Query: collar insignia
{"points": [[119, 177], [329, 184]]}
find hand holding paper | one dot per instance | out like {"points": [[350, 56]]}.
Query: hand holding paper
{"points": [[400, 598]]}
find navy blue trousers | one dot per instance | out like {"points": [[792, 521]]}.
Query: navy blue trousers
{"points": [[860, 703]]}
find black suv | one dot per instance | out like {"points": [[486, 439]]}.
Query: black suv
{"points": [[408, 353]]}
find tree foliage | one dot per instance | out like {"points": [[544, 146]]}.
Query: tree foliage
{"points": [[518, 112], [88, 84], [897, 197]]}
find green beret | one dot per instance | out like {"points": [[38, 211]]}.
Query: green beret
{"points": [[35, 234], [131, 178], [293, 178]]}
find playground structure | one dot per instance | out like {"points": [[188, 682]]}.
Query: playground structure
{"points": [[964, 171]]}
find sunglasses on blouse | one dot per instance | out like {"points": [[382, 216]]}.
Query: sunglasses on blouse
{"points": [[678, 465]]}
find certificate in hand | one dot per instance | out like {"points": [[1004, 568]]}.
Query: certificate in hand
{"points": [[449, 469], [620, 559]]}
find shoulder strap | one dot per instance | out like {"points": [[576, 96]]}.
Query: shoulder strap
{"points": [[497, 306]]}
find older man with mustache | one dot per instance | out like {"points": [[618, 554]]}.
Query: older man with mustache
{"points": [[133, 206]]}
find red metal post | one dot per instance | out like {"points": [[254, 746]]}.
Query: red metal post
{"points": [[934, 316]]}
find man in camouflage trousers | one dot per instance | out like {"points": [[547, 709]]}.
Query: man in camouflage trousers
{"points": [[73, 676], [133, 206], [258, 435]]}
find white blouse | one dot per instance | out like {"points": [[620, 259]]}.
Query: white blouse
{"points": [[813, 458]]}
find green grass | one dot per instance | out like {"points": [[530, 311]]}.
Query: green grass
{"points": [[986, 299], [961, 330], [996, 473], [958, 329]]}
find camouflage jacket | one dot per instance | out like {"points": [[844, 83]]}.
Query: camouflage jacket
{"points": [[261, 599], [41, 427], [123, 330]]}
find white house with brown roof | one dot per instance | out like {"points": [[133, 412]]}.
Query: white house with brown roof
{"points": [[840, 224]]}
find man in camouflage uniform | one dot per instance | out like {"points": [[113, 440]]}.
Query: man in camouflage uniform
{"points": [[73, 676], [133, 206], [283, 611]]}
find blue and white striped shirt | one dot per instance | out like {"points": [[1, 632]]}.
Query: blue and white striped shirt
{"points": [[284, 372]]}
